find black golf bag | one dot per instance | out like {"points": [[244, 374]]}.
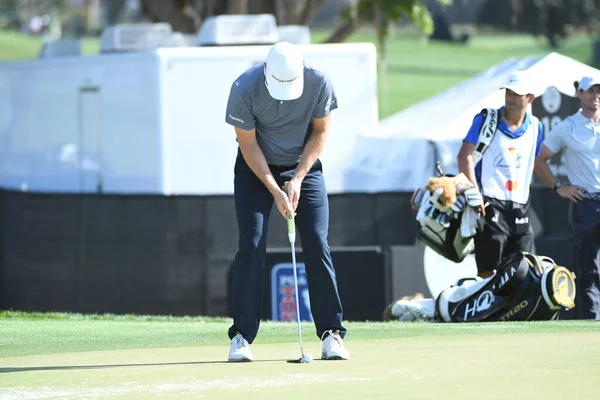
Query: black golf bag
{"points": [[525, 287]]}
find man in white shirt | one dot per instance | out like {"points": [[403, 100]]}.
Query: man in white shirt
{"points": [[579, 137]]}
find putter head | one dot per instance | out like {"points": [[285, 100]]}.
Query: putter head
{"points": [[305, 359]]}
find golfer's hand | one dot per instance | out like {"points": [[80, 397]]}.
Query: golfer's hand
{"points": [[293, 192], [573, 193], [283, 203]]}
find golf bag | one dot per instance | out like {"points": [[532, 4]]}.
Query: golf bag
{"points": [[448, 231], [525, 287]]}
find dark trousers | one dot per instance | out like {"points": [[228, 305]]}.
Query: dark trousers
{"points": [[507, 230], [253, 204], [585, 221]]}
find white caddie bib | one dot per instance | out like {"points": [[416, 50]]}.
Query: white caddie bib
{"points": [[507, 167]]}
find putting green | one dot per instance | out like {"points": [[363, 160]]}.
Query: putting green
{"points": [[543, 365]]}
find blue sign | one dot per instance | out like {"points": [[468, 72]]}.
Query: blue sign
{"points": [[283, 296]]}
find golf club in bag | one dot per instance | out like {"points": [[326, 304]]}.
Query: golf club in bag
{"points": [[306, 358]]}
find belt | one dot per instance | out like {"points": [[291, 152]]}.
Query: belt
{"points": [[283, 167]]}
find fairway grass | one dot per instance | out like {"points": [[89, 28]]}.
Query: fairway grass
{"points": [[23, 334], [127, 357], [552, 365]]}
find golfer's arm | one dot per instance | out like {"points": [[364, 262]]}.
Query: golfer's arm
{"points": [[314, 146], [542, 169], [466, 165], [255, 158]]}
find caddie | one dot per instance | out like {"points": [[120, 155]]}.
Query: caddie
{"points": [[498, 156]]}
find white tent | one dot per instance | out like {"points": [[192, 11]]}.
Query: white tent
{"points": [[400, 155]]}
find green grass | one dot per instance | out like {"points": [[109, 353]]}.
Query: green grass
{"points": [[416, 70], [16, 46], [139, 357], [24, 334]]}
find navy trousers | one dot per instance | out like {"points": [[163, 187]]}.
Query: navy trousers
{"points": [[585, 221], [253, 204]]}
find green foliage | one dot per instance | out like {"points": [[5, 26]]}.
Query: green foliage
{"points": [[8, 5], [385, 12], [552, 19]]}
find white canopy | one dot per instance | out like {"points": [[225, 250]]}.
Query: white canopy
{"points": [[400, 154]]}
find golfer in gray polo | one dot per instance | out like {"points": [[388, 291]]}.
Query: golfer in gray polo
{"points": [[579, 137], [281, 114]]}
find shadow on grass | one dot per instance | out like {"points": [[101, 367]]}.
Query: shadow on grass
{"points": [[6, 370]]}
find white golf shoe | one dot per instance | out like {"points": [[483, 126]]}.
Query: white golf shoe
{"points": [[333, 347], [240, 350]]}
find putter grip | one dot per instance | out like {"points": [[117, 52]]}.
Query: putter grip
{"points": [[290, 221]]}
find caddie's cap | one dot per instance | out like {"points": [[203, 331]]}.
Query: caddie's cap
{"points": [[520, 83]]}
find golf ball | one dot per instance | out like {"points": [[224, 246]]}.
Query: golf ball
{"points": [[307, 358]]}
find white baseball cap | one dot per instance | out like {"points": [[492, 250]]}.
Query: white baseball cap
{"points": [[587, 82], [284, 72], [519, 83]]}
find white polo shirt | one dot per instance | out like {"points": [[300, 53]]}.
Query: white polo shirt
{"points": [[579, 137]]}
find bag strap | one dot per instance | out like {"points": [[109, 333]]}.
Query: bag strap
{"points": [[486, 132]]}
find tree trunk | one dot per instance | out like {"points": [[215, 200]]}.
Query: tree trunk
{"points": [[237, 7], [347, 28], [381, 27], [112, 9], [305, 10], [280, 11], [290, 12], [263, 7], [211, 8], [312, 7], [344, 31], [171, 11]]}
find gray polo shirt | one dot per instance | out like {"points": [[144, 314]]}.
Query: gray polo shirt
{"points": [[579, 137], [282, 127]]}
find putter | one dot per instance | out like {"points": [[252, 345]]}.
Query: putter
{"points": [[306, 358]]}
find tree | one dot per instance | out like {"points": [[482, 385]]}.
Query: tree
{"points": [[8, 15], [548, 18], [295, 12], [237, 7], [171, 11], [382, 14], [112, 9], [286, 12]]}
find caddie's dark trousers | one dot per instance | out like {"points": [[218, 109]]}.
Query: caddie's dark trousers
{"points": [[585, 221], [507, 230], [253, 204]]}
